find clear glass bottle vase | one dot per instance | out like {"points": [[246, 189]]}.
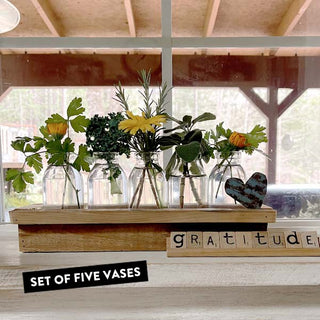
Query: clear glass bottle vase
{"points": [[147, 183], [222, 171], [188, 185], [62, 187], [107, 185]]}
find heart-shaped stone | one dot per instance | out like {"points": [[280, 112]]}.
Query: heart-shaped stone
{"points": [[249, 194]]}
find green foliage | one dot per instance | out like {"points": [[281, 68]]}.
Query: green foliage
{"points": [[226, 149], [59, 151], [38, 143], [80, 162], [19, 143], [103, 132], [56, 118], [104, 139], [75, 108], [146, 142], [255, 137], [79, 123], [35, 161], [19, 179], [44, 131], [56, 149], [189, 144], [12, 174], [188, 152], [204, 117]]}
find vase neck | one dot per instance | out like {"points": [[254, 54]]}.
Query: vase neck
{"points": [[234, 159], [102, 158], [143, 158]]}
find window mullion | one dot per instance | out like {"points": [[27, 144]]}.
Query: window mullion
{"points": [[166, 59]]}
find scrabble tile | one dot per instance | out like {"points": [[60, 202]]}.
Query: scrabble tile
{"points": [[244, 239], [276, 239], [194, 239], [211, 240], [309, 239], [178, 240], [260, 239], [293, 239], [227, 239]]}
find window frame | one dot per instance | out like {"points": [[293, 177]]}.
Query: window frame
{"points": [[165, 43]]}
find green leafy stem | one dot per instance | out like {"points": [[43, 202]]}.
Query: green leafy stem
{"points": [[226, 150], [190, 146], [151, 170], [57, 150]]}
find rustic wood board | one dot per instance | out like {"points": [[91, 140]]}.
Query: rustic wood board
{"points": [[55, 238], [110, 237], [120, 229], [228, 214], [241, 252]]}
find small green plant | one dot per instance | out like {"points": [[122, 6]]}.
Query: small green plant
{"points": [[145, 131], [55, 144], [189, 146], [105, 140], [226, 142]]}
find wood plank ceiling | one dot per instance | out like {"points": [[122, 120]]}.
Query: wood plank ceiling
{"points": [[142, 18]]}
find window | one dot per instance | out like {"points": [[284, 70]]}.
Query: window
{"points": [[230, 106], [35, 105], [251, 75]]}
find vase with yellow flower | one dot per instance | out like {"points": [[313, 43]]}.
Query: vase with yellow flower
{"points": [[228, 146], [62, 181], [147, 184]]}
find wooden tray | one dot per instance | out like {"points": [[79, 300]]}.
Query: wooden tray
{"points": [[112, 229]]}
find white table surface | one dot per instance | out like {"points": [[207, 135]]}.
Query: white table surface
{"points": [[178, 288]]}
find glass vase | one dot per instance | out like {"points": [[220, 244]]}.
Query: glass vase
{"points": [[62, 187], [188, 185], [222, 171], [107, 184], [147, 183]]}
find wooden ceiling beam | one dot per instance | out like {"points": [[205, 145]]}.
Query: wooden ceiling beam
{"points": [[292, 16], [130, 18], [211, 17], [48, 17], [290, 20]]}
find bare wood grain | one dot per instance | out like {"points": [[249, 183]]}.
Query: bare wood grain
{"points": [[236, 214], [73, 238], [111, 237], [292, 17], [48, 17], [130, 18], [211, 16]]}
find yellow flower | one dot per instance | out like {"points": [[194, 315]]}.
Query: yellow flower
{"points": [[57, 130], [157, 120], [238, 139], [136, 123]]}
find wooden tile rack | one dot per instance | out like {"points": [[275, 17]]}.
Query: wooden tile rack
{"points": [[249, 252], [115, 229]]}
